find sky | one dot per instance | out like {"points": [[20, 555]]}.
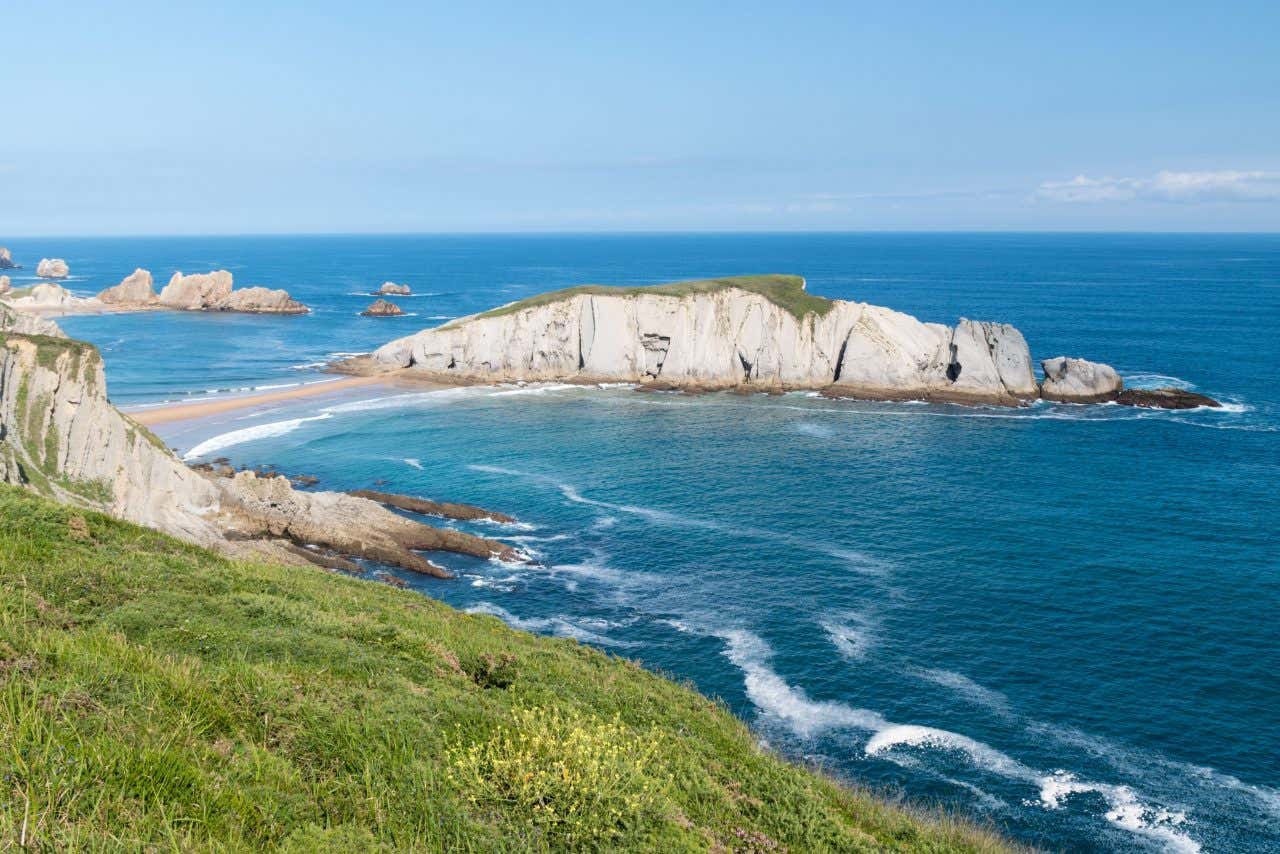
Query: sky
{"points": [[324, 117]]}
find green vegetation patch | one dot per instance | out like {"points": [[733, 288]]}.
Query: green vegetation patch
{"points": [[154, 696], [784, 291]]}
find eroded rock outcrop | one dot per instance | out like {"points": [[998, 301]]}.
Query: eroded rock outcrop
{"points": [[382, 308], [196, 292], [52, 268], [1079, 381], [46, 297], [426, 507], [215, 292], [5, 285], [393, 289], [1165, 398], [259, 300], [733, 333], [6, 260], [136, 289]]}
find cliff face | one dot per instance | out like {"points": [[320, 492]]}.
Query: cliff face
{"points": [[63, 439], [724, 337]]}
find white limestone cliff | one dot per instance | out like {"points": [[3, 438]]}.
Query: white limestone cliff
{"points": [[52, 268], [720, 335]]}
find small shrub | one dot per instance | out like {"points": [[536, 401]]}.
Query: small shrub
{"points": [[579, 782], [492, 671]]}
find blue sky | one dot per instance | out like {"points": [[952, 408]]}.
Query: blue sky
{"points": [[237, 117]]}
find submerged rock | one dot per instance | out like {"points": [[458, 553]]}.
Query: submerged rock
{"points": [[52, 268], [382, 308], [394, 289], [1079, 381], [444, 509], [6, 260], [1165, 398], [135, 289]]}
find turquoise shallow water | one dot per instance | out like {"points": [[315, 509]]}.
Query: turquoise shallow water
{"points": [[1059, 619]]}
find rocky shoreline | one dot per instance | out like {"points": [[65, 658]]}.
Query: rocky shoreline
{"points": [[62, 438]]}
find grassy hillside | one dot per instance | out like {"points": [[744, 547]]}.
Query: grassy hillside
{"points": [[786, 291], [153, 695]]}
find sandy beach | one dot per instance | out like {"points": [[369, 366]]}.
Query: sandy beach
{"points": [[204, 409]]}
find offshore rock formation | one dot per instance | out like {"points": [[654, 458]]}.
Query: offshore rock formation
{"points": [[382, 308], [60, 436], [1079, 381], [46, 297], [6, 260], [750, 333], [135, 289], [443, 509], [214, 292], [723, 334], [52, 268], [394, 289]]}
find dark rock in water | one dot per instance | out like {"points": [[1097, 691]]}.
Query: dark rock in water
{"points": [[1164, 398], [444, 509], [6, 260], [382, 308]]}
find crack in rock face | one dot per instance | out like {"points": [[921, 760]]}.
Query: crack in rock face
{"points": [[655, 352]]}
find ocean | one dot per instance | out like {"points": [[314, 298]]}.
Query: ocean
{"points": [[1062, 620]]}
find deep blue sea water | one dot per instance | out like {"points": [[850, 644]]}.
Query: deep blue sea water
{"points": [[1062, 619]]}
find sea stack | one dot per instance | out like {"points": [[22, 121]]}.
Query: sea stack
{"points": [[135, 290], [382, 308], [392, 289], [6, 260], [52, 268], [214, 292]]}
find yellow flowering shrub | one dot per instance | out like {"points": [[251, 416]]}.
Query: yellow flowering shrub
{"points": [[576, 780]]}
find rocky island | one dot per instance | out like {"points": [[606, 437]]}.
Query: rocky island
{"points": [[392, 289], [52, 268], [762, 333], [382, 308], [6, 260]]}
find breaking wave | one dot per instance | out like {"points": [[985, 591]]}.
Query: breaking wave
{"points": [[249, 434]]}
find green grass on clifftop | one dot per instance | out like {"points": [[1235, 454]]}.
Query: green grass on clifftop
{"points": [[785, 291], [154, 696]]}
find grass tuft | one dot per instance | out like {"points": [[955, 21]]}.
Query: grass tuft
{"points": [[784, 291]]}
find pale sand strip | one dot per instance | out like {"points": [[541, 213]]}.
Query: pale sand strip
{"points": [[183, 411]]}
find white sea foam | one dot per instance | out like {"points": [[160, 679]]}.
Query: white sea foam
{"points": [[1149, 380], [249, 434], [560, 626], [817, 431], [852, 633], [1124, 809], [536, 388], [414, 462], [966, 688]]}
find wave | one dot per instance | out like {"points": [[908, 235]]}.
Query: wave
{"points": [[778, 700], [249, 434], [1148, 380], [858, 561], [967, 689], [532, 388], [560, 626], [414, 462]]}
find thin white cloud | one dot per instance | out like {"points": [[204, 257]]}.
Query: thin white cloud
{"points": [[1220, 186]]}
